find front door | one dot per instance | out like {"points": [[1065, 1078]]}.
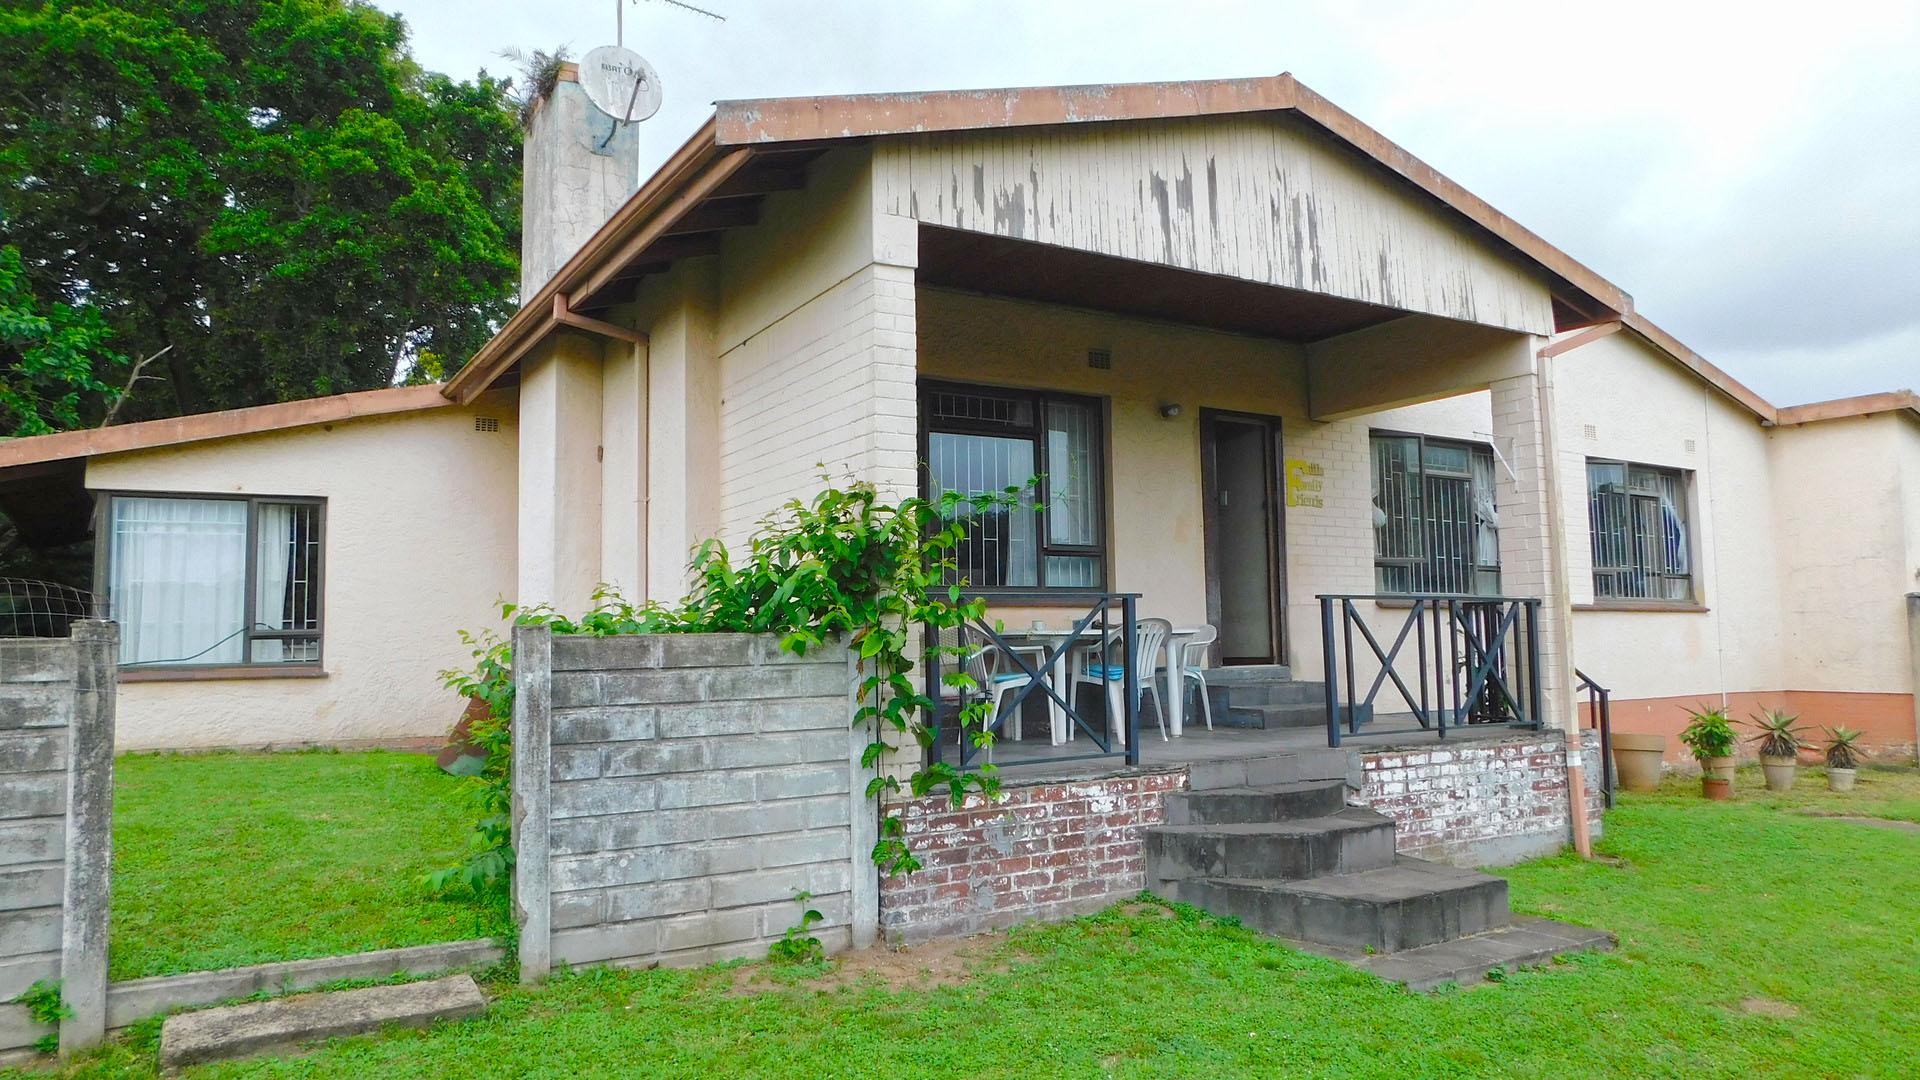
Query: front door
{"points": [[1245, 538]]}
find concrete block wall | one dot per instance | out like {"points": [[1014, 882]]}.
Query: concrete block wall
{"points": [[56, 792], [1481, 803], [675, 793], [1044, 851]]}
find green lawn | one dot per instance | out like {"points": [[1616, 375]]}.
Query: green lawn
{"points": [[227, 859], [1756, 941]]}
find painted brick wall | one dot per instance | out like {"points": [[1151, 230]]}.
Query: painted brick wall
{"points": [[830, 385], [1043, 851], [695, 785], [1480, 804]]}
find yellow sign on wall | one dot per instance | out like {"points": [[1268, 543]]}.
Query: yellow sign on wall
{"points": [[1306, 483]]}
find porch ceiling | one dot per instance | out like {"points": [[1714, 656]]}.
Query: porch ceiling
{"points": [[1020, 268]]}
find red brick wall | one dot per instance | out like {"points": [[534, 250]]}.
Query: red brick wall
{"points": [[1043, 851], [1480, 803]]}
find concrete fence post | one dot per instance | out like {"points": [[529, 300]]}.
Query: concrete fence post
{"points": [[1913, 663], [532, 734], [89, 842], [865, 819]]}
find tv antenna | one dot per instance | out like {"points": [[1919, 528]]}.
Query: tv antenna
{"points": [[620, 16]]}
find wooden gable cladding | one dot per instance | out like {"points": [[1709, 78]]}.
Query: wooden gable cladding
{"points": [[1255, 197]]}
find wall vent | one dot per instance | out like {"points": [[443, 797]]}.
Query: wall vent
{"points": [[1590, 431], [486, 423], [1690, 446], [1100, 358]]}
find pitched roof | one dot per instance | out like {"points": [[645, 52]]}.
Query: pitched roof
{"points": [[744, 136], [149, 434]]}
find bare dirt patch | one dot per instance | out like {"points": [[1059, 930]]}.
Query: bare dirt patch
{"points": [[1766, 1006], [946, 962], [1874, 822], [1139, 910]]}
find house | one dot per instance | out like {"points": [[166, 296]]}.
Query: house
{"points": [[1159, 296]]}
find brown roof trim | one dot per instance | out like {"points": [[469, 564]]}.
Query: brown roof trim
{"points": [[1573, 341], [775, 120], [599, 257], [1846, 407], [1733, 388], [218, 425]]}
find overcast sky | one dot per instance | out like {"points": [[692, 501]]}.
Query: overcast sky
{"points": [[1750, 174]]}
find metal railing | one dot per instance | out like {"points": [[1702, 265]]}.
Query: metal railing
{"points": [[1600, 713], [1473, 660], [1038, 661]]}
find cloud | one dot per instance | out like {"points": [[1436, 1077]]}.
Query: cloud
{"points": [[1750, 174]]}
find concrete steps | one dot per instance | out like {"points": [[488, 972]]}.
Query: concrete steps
{"points": [[1274, 802], [1350, 841], [1270, 841], [258, 1027]]}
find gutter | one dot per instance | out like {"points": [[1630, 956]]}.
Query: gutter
{"points": [[700, 165]]}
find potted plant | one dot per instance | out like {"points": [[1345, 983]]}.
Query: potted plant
{"points": [[1637, 758], [1710, 736], [1842, 757], [1779, 741]]}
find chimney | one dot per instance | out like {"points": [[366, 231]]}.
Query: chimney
{"points": [[578, 167]]}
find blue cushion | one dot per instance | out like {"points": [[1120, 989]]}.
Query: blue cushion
{"points": [[1010, 676], [1107, 671]]}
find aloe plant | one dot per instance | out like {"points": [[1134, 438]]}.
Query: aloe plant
{"points": [[1779, 733], [1841, 751]]}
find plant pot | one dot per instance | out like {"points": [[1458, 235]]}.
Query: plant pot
{"points": [[1716, 789], [1636, 760], [1779, 772], [1840, 779], [1720, 768]]}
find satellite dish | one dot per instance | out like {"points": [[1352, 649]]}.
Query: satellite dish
{"points": [[620, 83]]}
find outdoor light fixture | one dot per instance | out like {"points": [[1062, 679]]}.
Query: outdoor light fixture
{"points": [[1170, 410]]}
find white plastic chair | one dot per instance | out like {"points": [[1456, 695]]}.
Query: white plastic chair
{"points": [[1149, 639], [1196, 646], [982, 660]]}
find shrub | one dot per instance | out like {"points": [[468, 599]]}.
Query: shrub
{"points": [[1709, 734], [1842, 751]]}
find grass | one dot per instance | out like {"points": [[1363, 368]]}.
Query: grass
{"points": [[1755, 941], [221, 860]]}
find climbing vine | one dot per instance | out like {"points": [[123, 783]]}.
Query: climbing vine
{"points": [[845, 566]]}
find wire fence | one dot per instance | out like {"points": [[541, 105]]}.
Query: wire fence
{"points": [[41, 609]]}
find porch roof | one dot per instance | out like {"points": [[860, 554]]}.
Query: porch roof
{"points": [[751, 147]]}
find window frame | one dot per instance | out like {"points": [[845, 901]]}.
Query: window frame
{"points": [[103, 577], [1035, 433], [1476, 567], [1684, 505]]}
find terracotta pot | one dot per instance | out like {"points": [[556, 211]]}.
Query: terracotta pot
{"points": [[1839, 779], [1779, 772], [1636, 760], [1720, 767], [1716, 789]]}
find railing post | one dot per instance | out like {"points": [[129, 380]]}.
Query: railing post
{"points": [[1330, 672], [1346, 628], [1130, 681], [1533, 661]]}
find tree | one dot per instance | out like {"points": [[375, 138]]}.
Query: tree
{"points": [[270, 190], [54, 357]]}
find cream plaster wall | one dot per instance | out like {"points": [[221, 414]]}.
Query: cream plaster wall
{"points": [[420, 526]]}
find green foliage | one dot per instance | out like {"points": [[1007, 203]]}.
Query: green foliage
{"points": [[45, 1006], [796, 946], [843, 567], [54, 355], [1779, 733], [273, 188], [1709, 734], [1843, 751]]}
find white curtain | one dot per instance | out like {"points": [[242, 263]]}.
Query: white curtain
{"points": [[178, 579], [271, 567]]}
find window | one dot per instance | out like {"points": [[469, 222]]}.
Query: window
{"points": [[1639, 520], [207, 581], [1435, 528], [986, 440]]}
